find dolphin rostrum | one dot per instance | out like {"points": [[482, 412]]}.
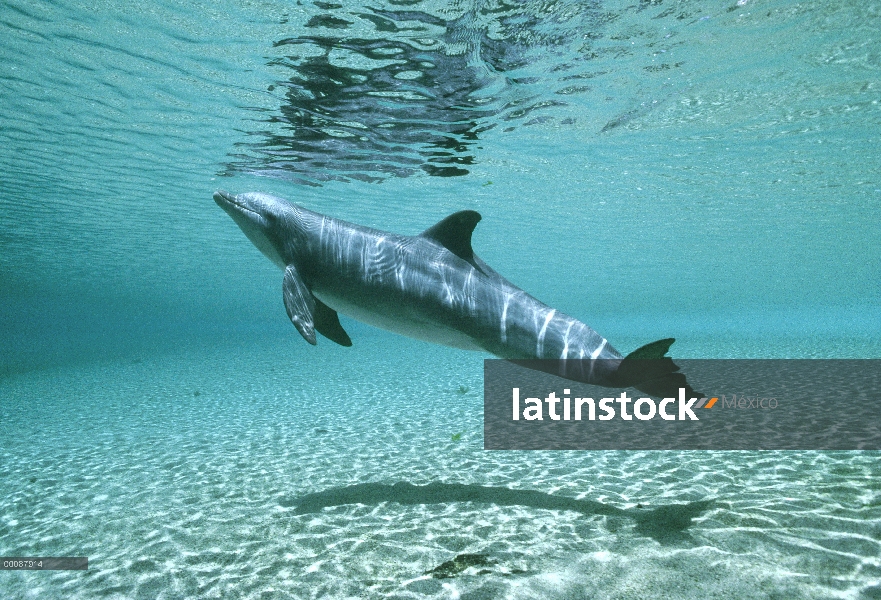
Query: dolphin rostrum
{"points": [[430, 287]]}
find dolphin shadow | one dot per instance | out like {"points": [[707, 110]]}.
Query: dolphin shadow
{"points": [[663, 524]]}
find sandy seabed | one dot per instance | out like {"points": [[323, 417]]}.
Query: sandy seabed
{"points": [[180, 476]]}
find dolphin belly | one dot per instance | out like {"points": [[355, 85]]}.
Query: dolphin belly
{"points": [[398, 319]]}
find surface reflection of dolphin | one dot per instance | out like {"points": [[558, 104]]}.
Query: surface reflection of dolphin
{"points": [[658, 522]]}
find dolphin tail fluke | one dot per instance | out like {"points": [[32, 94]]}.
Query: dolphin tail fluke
{"points": [[656, 350], [650, 370]]}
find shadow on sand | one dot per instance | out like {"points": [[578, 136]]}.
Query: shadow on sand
{"points": [[662, 523]]}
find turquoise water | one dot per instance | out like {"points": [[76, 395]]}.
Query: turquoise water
{"points": [[657, 169]]}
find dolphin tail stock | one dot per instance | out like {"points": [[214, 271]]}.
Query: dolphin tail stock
{"points": [[650, 370]]}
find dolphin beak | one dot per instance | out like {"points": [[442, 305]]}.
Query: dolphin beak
{"points": [[233, 206], [224, 199]]}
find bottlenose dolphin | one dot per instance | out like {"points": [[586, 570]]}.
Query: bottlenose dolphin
{"points": [[430, 287]]}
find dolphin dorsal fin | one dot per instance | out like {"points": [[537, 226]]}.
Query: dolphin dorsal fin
{"points": [[454, 233]]}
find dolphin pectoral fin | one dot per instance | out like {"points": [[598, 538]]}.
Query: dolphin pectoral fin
{"points": [[327, 323], [300, 304], [454, 234]]}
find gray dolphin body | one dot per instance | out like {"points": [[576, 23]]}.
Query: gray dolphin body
{"points": [[431, 287]]}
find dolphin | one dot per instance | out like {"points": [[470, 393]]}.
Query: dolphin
{"points": [[431, 287]]}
